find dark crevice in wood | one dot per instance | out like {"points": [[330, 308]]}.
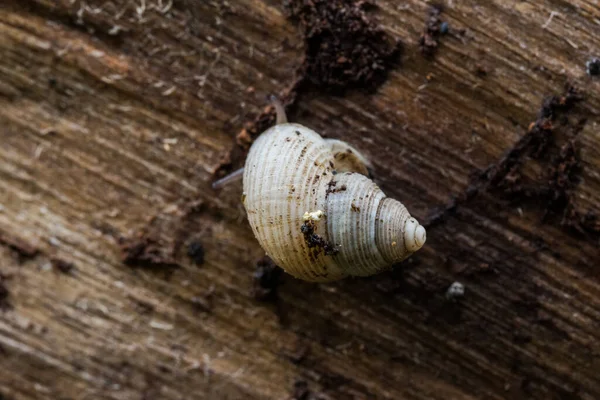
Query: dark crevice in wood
{"points": [[556, 189]]}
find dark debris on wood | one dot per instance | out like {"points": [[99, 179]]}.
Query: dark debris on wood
{"points": [[434, 28], [4, 294], [267, 278], [344, 48], [195, 251], [556, 187]]}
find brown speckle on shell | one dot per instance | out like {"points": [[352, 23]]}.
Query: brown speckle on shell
{"points": [[313, 240]]}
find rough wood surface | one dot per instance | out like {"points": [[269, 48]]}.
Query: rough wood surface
{"points": [[114, 116]]}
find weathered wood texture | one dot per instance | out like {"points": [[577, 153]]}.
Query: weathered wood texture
{"points": [[115, 111]]}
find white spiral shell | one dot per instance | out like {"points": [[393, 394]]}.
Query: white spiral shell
{"points": [[316, 214]]}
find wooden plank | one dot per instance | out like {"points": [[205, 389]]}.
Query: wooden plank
{"points": [[115, 115]]}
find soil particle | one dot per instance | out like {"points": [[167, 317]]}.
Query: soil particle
{"points": [[330, 187], [313, 240], [331, 190], [267, 279], [455, 291], [429, 40], [344, 49], [444, 28], [195, 251], [593, 67]]}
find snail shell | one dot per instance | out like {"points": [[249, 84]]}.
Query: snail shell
{"points": [[314, 211]]}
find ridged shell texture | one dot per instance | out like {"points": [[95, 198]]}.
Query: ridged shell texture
{"points": [[317, 222]]}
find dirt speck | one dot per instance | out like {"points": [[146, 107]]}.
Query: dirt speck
{"points": [[144, 307], [593, 67], [195, 252], [344, 48], [313, 240], [429, 40], [267, 278], [4, 295], [481, 70], [554, 189], [332, 188]]}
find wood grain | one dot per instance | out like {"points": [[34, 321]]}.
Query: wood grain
{"points": [[115, 112]]}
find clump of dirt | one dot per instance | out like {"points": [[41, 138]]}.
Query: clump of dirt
{"points": [[267, 279], [593, 67], [195, 251], [344, 49], [313, 240], [429, 40]]}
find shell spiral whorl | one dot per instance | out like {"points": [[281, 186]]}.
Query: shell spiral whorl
{"points": [[316, 222]]}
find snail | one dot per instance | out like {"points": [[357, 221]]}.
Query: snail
{"points": [[314, 210]]}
